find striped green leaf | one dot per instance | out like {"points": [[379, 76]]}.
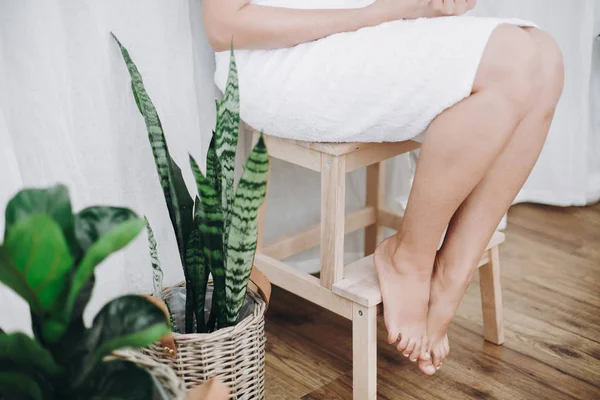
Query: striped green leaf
{"points": [[177, 197], [157, 273], [226, 134], [243, 230], [210, 218], [213, 168], [198, 277]]}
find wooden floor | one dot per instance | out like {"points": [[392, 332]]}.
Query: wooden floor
{"points": [[551, 287]]}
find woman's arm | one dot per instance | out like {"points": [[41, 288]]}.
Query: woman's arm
{"points": [[253, 26]]}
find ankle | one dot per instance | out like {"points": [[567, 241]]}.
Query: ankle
{"points": [[405, 257], [453, 274]]}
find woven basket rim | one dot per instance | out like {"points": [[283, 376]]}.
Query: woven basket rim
{"points": [[256, 316]]}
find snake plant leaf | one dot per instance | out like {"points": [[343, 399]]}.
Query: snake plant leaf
{"points": [[19, 350], [157, 273], [127, 321], [53, 201], [197, 274], [115, 239], [177, 197], [249, 197], [35, 262], [213, 167], [19, 386], [117, 380], [210, 218], [226, 136]]}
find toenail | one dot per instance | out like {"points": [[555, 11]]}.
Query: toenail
{"points": [[427, 355]]}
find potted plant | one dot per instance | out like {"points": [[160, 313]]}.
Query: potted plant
{"points": [[221, 328], [48, 258]]}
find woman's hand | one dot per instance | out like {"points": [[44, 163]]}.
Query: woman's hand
{"points": [[392, 10], [443, 8]]}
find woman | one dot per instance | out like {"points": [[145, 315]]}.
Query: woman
{"points": [[479, 92]]}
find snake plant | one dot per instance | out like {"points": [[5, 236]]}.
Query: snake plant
{"points": [[216, 231], [48, 258]]}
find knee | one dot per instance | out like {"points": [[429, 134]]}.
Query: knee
{"points": [[511, 67], [552, 70]]}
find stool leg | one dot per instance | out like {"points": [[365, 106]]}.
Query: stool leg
{"points": [[491, 299], [364, 352], [375, 198], [333, 205]]}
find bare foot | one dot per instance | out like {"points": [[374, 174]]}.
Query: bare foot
{"points": [[405, 291], [447, 290]]}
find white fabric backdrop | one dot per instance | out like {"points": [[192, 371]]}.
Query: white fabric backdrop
{"points": [[66, 115]]}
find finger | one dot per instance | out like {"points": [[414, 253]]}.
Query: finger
{"points": [[437, 6], [471, 4], [449, 7], [461, 7]]}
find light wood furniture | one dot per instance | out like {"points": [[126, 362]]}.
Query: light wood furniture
{"points": [[352, 291]]}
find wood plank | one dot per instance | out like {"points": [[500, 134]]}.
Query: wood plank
{"points": [[310, 238], [491, 298], [302, 284], [333, 206], [378, 152], [286, 150], [364, 352], [375, 193], [360, 283]]}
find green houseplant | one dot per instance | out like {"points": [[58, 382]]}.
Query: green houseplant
{"points": [[48, 258], [216, 233]]}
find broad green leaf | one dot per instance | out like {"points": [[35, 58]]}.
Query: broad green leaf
{"points": [[94, 222], [19, 385], [157, 273], [243, 231], [210, 222], [127, 321], [35, 262], [118, 380], [107, 244], [213, 168], [20, 350], [177, 197], [53, 201], [226, 135]]}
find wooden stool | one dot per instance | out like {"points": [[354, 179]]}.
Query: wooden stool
{"points": [[352, 291]]}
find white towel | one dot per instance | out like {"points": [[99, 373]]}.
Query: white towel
{"points": [[379, 84]]}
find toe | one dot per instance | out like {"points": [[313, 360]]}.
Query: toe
{"points": [[393, 336], [416, 352], [427, 367], [425, 349], [436, 357], [403, 343], [409, 348]]}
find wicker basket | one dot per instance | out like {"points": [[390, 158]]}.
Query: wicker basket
{"points": [[236, 355], [173, 387]]}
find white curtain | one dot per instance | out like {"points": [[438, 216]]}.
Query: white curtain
{"points": [[67, 115]]}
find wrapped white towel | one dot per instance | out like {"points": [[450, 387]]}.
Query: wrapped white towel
{"points": [[380, 84]]}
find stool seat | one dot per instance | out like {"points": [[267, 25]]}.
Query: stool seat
{"points": [[360, 281]]}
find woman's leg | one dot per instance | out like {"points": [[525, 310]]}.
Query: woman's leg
{"points": [[461, 145], [477, 218]]}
